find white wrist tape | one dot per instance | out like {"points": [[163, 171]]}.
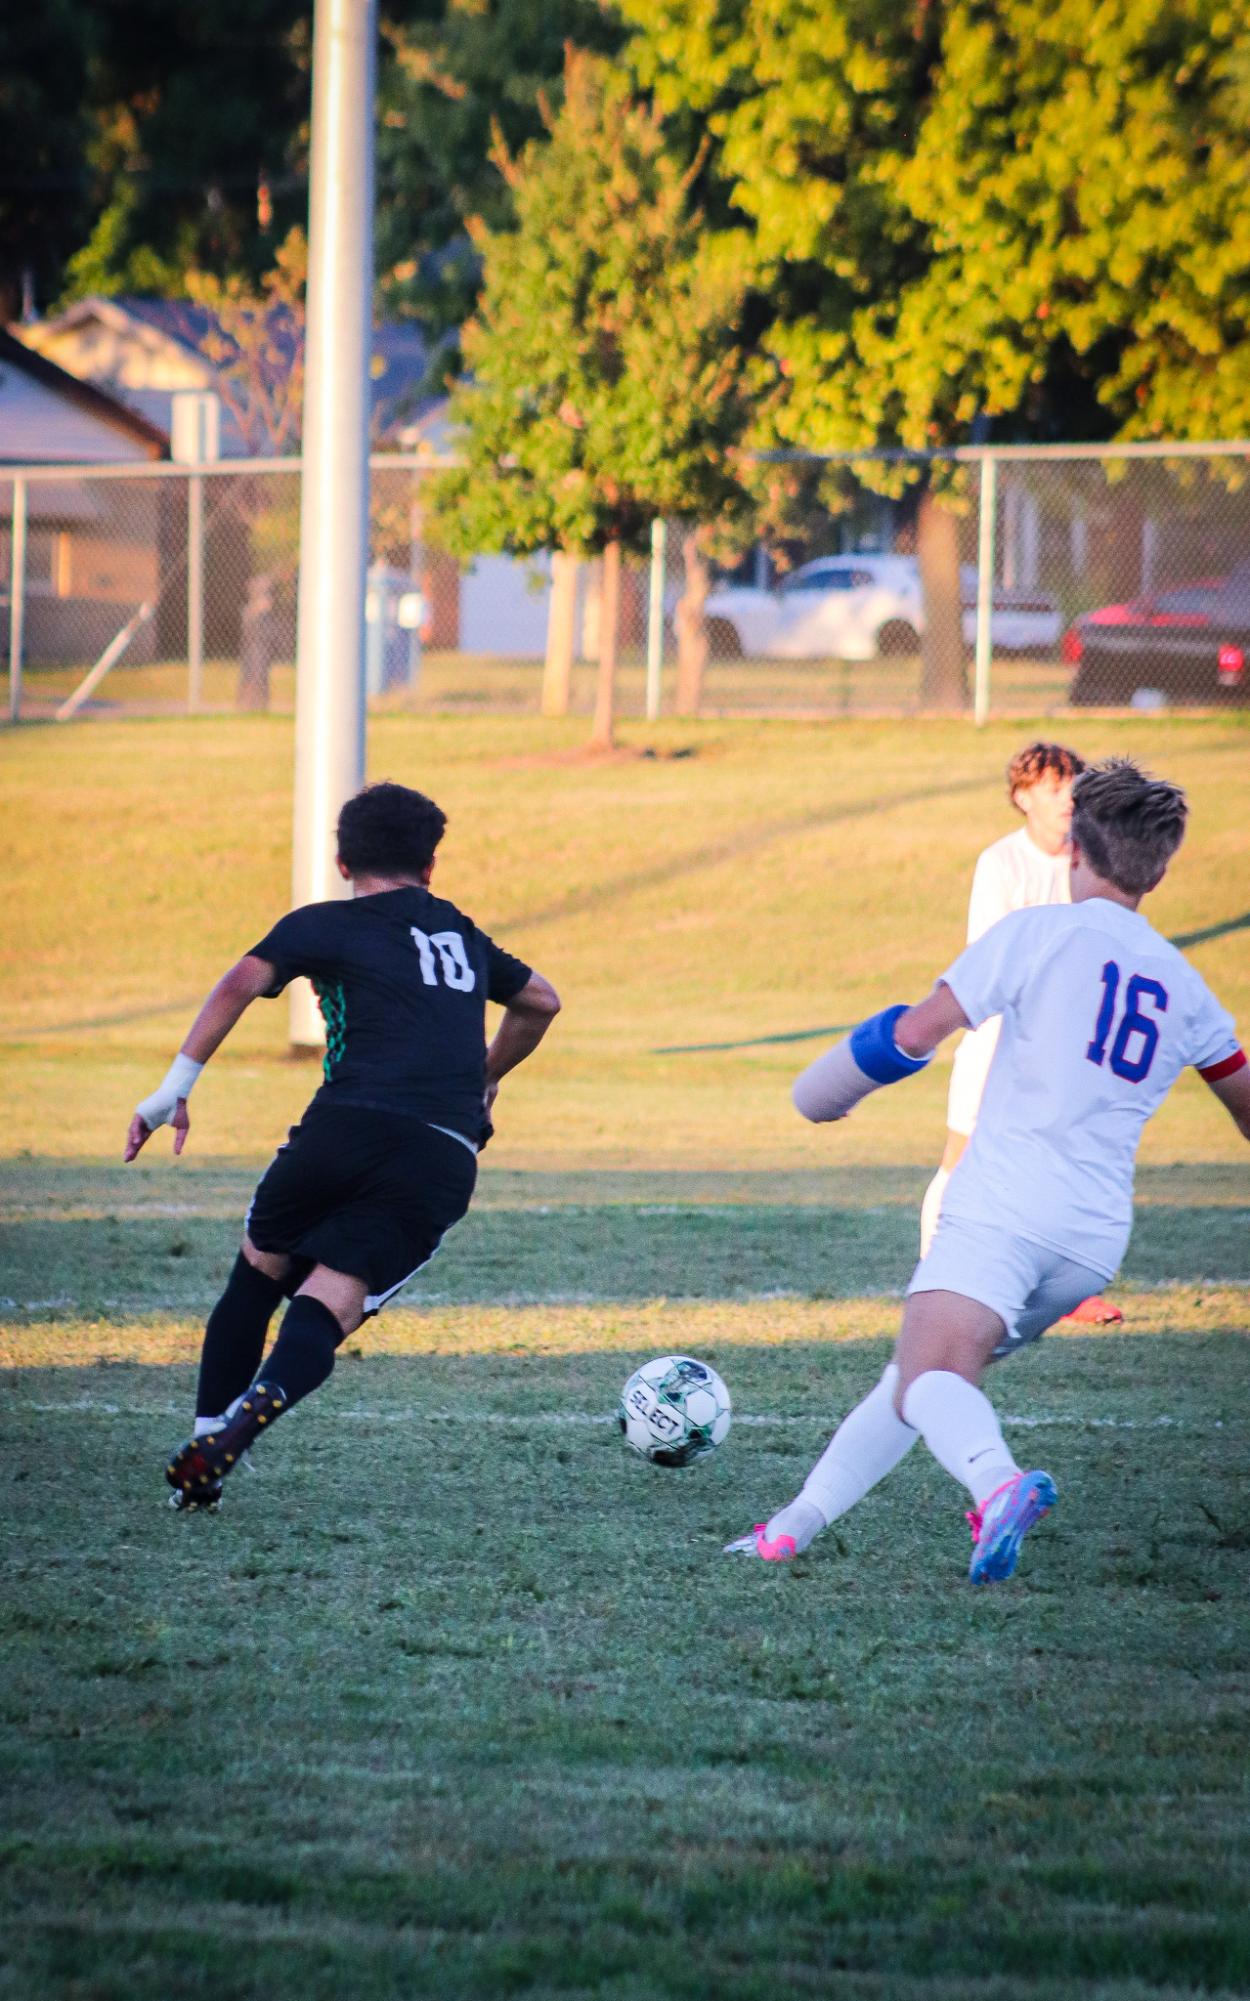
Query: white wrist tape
{"points": [[159, 1109], [869, 1057], [831, 1086]]}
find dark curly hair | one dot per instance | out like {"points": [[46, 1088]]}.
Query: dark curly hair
{"points": [[389, 830], [1127, 824], [1035, 760]]}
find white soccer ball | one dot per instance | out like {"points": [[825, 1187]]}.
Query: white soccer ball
{"points": [[674, 1410]]}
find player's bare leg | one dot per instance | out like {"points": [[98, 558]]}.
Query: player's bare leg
{"points": [[946, 1343], [328, 1306]]}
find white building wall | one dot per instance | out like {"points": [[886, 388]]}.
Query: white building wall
{"points": [[500, 609], [39, 426]]}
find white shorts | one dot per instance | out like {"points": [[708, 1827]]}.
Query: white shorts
{"points": [[1026, 1284]]}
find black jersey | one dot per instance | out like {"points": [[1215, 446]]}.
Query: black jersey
{"points": [[402, 979]]}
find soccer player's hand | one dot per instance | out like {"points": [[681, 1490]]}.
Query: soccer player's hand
{"points": [[140, 1132], [488, 1106]]}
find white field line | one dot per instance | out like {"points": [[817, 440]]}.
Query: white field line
{"points": [[566, 1419]]}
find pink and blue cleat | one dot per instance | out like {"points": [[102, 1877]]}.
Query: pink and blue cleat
{"points": [[1001, 1523], [780, 1550]]}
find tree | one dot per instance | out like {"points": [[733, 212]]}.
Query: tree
{"points": [[608, 380], [971, 215], [44, 132], [197, 155], [1084, 182], [140, 142], [454, 74], [253, 334]]}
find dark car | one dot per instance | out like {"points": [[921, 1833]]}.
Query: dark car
{"points": [[1192, 644]]}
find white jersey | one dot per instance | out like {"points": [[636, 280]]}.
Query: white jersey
{"points": [[1099, 1017], [1011, 874]]}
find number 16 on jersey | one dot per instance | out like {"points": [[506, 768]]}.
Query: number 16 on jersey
{"points": [[1134, 1022]]}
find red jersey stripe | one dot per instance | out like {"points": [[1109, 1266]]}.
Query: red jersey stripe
{"points": [[1230, 1064]]}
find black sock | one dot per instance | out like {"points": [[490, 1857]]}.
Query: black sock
{"points": [[234, 1339], [303, 1354]]}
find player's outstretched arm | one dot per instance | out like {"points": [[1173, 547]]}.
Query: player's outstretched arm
{"points": [[234, 992], [1233, 1091], [882, 1050], [526, 1019]]}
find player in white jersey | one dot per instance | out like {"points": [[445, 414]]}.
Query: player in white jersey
{"points": [[1023, 869], [1099, 1017]]}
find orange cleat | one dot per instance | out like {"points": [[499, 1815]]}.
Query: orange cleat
{"points": [[1095, 1312]]}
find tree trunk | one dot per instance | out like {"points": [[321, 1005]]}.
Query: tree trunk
{"points": [[257, 644], [561, 624], [943, 676], [609, 622], [692, 642]]}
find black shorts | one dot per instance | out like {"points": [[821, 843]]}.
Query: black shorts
{"points": [[367, 1193]]}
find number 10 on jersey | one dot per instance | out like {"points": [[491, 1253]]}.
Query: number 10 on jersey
{"points": [[454, 960], [1133, 1022]]}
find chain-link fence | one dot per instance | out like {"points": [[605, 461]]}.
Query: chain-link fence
{"points": [[1012, 581]]}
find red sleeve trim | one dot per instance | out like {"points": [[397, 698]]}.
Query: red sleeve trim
{"points": [[1215, 1071]]}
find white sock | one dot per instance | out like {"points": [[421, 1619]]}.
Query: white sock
{"points": [[931, 1209], [867, 1445], [206, 1424], [959, 1426]]}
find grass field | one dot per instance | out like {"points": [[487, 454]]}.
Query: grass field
{"points": [[475, 683], [456, 1699]]}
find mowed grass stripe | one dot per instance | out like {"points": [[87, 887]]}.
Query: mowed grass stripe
{"points": [[119, 1268], [510, 1337]]}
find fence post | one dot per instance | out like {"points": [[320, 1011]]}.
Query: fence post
{"points": [[195, 441], [985, 589], [195, 591], [17, 599], [655, 619]]}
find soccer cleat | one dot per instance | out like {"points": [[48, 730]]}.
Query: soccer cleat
{"points": [[205, 1501], [1001, 1523], [1095, 1312], [780, 1550], [198, 1468]]}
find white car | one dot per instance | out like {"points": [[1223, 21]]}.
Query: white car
{"points": [[861, 608]]}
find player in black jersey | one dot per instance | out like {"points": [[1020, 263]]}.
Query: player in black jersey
{"points": [[384, 1160]]}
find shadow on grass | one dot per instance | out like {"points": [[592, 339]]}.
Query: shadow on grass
{"points": [[85, 1240]]}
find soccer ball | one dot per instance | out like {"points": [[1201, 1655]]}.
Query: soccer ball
{"points": [[674, 1410]]}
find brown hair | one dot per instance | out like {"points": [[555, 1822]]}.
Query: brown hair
{"points": [[1035, 760], [1127, 824]]}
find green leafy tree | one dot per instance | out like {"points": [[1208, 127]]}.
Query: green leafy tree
{"points": [[609, 381], [198, 134], [1083, 179], [150, 142], [454, 74], [977, 214]]}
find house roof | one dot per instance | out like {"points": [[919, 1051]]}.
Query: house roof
{"points": [[399, 355], [94, 402]]}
